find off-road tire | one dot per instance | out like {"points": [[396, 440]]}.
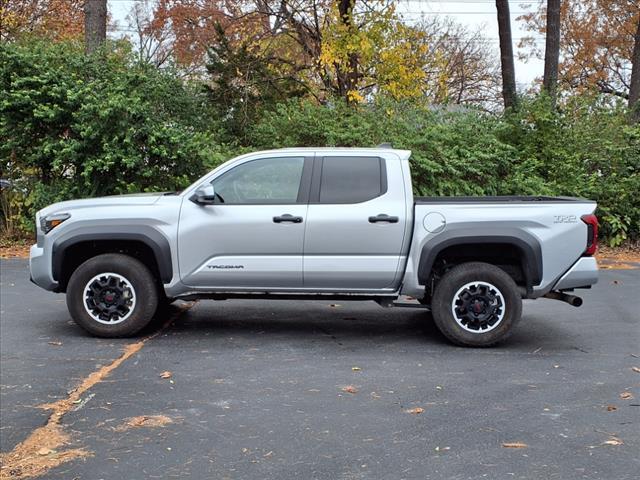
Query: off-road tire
{"points": [[505, 293], [140, 284]]}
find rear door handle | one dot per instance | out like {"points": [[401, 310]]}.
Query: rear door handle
{"points": [[383, 217], [287, 218]]}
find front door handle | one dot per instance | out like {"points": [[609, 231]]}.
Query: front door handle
{"points": [[383, 217], [287, 218]]}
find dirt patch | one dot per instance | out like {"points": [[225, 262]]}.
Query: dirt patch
{"points": [[146, 421], [609, 265], [624, 258], [14, 249], [39, 453], [48, 446]]}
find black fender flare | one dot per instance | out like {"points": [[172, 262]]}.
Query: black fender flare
{"points": [[151, 237], [527, 244]]}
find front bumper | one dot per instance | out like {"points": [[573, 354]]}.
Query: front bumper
{"points": [[40, 269], [583, 273]]}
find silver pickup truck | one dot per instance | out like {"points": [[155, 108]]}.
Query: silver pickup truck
{"points": [[316, 223]]}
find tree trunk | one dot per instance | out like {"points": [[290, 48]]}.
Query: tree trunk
{"points": [[95, 24], [348, 81], [634, 89], [506, 54], [552, 49]]}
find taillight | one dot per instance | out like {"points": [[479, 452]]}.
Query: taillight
{"points": [[592, 233]]}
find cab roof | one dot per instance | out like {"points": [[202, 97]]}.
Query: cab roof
{"points": [[402, 154]]}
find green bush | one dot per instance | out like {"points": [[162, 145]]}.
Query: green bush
{"points": [[73, 125], [585, 149]]}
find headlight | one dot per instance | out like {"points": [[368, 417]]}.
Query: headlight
{"points": [[50, 222]]}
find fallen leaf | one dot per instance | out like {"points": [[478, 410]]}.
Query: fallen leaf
{"points": [[416, 410], [636, 369], [166, 374], [613, 441], [611, 408], [350, 389], [356, 369], [146, 421], [57, 344], [626, 396], [514, 445]]}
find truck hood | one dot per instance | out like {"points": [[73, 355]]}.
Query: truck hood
{"points": [[112, 200]]}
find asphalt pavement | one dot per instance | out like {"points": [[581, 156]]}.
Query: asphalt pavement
{"points": [[250, 389]]}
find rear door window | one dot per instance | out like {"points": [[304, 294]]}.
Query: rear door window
{"points": [[351, 179]]}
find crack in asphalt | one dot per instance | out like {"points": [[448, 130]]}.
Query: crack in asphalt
{"points": [[38, 453]]}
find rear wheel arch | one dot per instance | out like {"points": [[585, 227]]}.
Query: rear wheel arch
{"points": [[505, 249]]}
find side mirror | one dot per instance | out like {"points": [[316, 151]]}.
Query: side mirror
{"points": [[204, 195]]}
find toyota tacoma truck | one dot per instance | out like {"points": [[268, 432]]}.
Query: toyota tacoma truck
{"points": [[313, 223]]}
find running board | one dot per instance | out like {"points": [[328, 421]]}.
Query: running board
{"points": [[390, 303]]}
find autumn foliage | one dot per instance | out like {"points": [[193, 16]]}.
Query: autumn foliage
{"points": [[54, 19], [596, 43]]}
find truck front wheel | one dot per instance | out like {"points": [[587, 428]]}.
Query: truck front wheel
{"points": [[112, 295], [476, 305]]}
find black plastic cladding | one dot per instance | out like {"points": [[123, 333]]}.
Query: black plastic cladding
{"points": [[469, 234], [145, 234]]}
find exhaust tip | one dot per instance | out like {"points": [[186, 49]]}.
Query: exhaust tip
{"points": [[564, 297], [575, 301]]}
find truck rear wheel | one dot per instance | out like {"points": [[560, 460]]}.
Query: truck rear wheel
{"points": [[476, 305], [112, 295]]}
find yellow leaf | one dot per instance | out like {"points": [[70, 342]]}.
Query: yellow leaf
{"points": [[614, 441], [416, 410]]}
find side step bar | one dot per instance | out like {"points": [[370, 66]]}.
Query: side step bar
{"points": [[392, 303]]}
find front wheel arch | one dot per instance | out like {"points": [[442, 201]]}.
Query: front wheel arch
{"points": [[142, 242]]}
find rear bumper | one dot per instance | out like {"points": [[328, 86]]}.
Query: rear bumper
{"points": [[40, 269], [583, 273]]}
